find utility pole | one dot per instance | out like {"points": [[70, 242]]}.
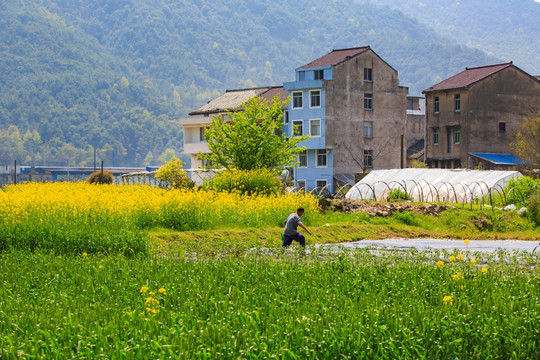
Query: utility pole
{"points": [[15, 173]]}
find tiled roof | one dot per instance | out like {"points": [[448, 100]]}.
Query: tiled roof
{"points": [[468, 77], [334, 57], [233, 99], [275, 90]]}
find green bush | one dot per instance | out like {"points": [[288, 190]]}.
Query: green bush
{"points": [[248, 182], [405, 217], [398, 194], [533, 207], [98, 177], [519, 190], [173, 175]]}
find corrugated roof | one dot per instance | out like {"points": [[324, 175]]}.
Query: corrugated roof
{"points": [[500, 159], [232, 100], [468, 77], [334, 57]]}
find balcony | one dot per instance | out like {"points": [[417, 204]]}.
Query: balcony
{"points": [[306, 84]]}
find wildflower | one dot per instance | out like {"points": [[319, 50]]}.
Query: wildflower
{"points": [[440, 263], [101, 267], [466, 241], [151, 300], [484, 270], [144, 289], [456, 276], [447, 299], [460, 256], [152, 293], [162, 291], [84, 255], [153, 311], [452, 258], [473, 261]]}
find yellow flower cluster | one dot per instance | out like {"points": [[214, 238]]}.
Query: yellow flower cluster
{"points": [[152, 303], [447, 299]]}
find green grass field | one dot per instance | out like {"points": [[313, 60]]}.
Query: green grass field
{"points": [[346, 305]]}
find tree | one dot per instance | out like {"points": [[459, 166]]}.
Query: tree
{"points": [[251, 137], [173, 175], [527, 143]]}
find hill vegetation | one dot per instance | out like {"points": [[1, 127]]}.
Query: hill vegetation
{"points": [[506, 29], [79, 77]]}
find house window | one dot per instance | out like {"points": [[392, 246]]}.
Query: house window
{"points": [[457, 102], [201, 133], [301, 185], [303, 159], [368, 74], [315, 127], [502, 126], [318, 74], [297, 100], [436, 136], [436, 104], [298, 128], [368, 101], [321, 157], [321, 184], [206, 164], [286, 116], [457, 134], [368, 158], [315, 98], [301, 75], [368, 129], [409, 104]]}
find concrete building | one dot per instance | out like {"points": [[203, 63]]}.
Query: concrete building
{"points": [[476, 113], [200, 119], [351, 104]]}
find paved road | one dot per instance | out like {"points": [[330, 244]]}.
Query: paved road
{"points": [[423, 244]]}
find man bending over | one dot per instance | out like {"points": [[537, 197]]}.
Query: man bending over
{"points": [[291, 225]]}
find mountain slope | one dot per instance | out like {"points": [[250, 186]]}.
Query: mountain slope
{"points": [[509, 30]]}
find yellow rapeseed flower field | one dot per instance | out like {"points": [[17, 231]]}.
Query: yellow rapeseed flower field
{"points": [[144, 206]]}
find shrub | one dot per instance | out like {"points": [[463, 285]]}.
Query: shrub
{"points": [[523, 188], [98, 177], [533, 207], [248, 182], [173, 175], [398, 194], [419, 164], [405, 217]]}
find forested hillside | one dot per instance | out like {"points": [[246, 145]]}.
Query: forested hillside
{"points": [[115, 76], [506, 29]]}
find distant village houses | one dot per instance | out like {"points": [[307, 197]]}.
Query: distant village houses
{"points": [[360, 119], [472, 117]]}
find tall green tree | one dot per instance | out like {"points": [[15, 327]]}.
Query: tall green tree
{"points": [[251, 137]]}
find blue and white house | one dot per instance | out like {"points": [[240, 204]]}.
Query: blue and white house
{"points": [[307, 116]]}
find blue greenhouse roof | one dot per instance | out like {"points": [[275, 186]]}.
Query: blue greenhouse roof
{"points": [[500, 159]]}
